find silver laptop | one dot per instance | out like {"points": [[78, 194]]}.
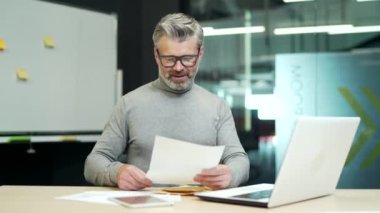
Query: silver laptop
{"points": [[311, 168]]}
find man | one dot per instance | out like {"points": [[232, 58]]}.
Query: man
{"points": [[171, 106]]}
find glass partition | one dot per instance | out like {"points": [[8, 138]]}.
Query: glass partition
{"points": [[274, 60]]}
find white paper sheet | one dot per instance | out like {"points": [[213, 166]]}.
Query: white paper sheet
{"points": [[177, 162], [102, 197]]}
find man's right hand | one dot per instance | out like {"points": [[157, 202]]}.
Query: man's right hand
{"points": [[130, 177]]}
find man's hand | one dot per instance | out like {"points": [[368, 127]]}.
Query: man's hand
{"points": [[218, 177], [130, 177]]}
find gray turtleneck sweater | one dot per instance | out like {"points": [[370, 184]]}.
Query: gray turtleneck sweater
{"points": [[194, 115]]}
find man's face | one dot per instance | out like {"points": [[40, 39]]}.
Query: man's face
{"points": [[178, 74]]}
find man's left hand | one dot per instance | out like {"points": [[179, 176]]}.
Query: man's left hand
{"points": [[218, 177]]}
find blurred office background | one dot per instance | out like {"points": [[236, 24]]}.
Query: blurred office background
{"points": [[271, 60]]}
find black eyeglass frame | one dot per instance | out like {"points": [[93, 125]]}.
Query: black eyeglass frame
{"points": [[178, 58]]}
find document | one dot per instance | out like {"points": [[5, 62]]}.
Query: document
{"points": [[177, 162]]}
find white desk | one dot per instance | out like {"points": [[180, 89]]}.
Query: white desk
{"points": [[41, 199]]}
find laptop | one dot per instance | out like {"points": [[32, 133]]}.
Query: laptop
{"points": [[311, 167]]}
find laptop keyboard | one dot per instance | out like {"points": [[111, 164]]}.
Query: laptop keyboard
{"points": [[256, 195]]}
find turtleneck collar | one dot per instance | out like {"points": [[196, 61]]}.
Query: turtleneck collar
{"points": [[160, 84]]}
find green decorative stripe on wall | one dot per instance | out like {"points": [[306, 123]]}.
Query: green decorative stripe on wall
{"points": [[370, 124]]}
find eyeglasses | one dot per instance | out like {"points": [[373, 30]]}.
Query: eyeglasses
{"points": [[169, 61]]}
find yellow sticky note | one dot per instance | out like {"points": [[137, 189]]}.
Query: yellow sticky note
{"points": [[3, 45], [49, 42], [22, 74], [69, 138]]}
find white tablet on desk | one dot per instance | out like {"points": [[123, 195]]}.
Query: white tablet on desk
{"points": [[141, 201]]}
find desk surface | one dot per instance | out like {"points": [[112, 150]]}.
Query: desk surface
{"points": [[41, 199]]}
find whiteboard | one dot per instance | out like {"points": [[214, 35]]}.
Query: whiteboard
{"points": [[70, 87]]}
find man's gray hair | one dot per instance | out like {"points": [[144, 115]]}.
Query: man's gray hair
{"points": [[178, 26]]}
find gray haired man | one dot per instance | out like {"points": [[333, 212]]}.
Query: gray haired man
{"points": [[172, 106]]}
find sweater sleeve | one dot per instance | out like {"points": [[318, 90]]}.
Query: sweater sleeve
{"points": [[102, 165], [234, 155]]}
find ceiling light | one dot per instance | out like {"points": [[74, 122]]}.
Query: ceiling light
{"points": [[210, 31], [291, 1], [309, 29], [365, 0], [361, 29]]}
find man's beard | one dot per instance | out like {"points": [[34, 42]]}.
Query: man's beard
{"points": [[178, 86]]}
